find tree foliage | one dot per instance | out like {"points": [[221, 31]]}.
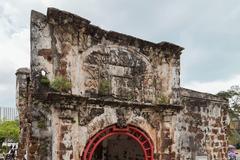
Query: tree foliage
{"points": [[233, 137], [9, 131], [233, 95]]}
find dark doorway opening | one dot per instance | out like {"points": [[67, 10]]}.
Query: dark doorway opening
{"points": [[114, 143], [118, 147]]}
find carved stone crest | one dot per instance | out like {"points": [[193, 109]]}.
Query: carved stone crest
{"points": [[121, 118]]}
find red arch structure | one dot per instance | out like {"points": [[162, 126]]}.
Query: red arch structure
{"points": [[135, 133]]}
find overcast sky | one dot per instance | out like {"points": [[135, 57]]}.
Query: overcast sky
{"points": [[209, 30]]}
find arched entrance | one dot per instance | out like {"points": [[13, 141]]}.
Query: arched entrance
{"points": [[113, 143]]}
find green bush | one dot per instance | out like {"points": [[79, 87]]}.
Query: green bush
{"points": [[9, 130], [61, 84], [4, 149], [233, 137]]}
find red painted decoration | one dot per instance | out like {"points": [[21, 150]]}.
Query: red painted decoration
{"points": [[131, 131]]}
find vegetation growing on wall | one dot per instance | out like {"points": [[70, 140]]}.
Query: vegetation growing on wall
{"points": [[130, 96], [42, 124], [45, 81], [104, 87], [161, 99], [61, 84]]}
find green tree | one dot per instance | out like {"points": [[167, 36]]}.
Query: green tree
{"points": [[9, 131], [233, 95]]}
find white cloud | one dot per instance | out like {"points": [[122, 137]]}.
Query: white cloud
{"points": [[214, 86], [14, 54], [209, 30], [15, 49]]}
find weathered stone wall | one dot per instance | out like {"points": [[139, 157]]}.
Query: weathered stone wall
{"points": [[22, 100], [63, 123], [115, 79], [78, 120], [128, 68], [201, 126]]}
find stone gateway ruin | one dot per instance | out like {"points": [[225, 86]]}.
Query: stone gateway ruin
{"points": [[92, 94]]}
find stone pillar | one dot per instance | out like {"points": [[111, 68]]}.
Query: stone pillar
{"points": [[22, 86], [167, 72]]}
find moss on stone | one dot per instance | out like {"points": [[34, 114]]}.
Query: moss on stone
{"points": [[61, 84], [44, 81], [42, 124], [104, 87], [161, 99], [130, 96]]}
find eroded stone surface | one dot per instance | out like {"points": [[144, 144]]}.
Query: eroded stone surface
{"points": [[117, 80]]}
